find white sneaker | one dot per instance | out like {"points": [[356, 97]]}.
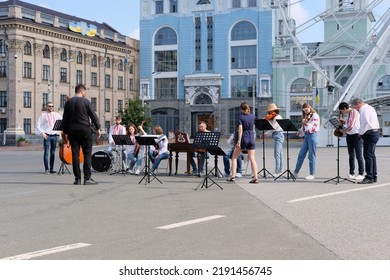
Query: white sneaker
{"points": [[131, 171], [310, 177], [276, 175], [137, 172], [358, 177], [352, 177], [295, 175], [238, 175]]}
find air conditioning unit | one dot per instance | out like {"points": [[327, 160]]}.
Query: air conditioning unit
{"points": [[2, 110]]}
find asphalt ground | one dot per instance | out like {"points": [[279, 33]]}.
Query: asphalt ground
{"points": [[121, 218]]}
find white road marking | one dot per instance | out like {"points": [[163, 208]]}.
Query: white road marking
{"points": [[195, 221], [337, 193], [49, 251]]}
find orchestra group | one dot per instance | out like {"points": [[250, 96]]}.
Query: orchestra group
{"points": [[357, 121]]}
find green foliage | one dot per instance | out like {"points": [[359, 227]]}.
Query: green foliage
{"points": [[21, 139], [135, 113]]}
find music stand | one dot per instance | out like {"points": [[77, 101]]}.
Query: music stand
{"points": [[287, 126], [147, 140], [58, 126], [337, 124], [217, 152], [207, 141], [263, 125], [121, 140]]}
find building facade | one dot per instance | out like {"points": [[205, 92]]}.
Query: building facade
{"points": [[45, 54], [201, 59]]}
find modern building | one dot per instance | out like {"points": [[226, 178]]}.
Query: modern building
{"points": [[349, 45], [45, 53], [202, 58]]}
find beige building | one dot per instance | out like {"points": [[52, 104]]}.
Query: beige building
{"points": [[44, 54]]}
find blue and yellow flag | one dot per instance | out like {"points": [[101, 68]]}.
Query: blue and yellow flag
{"points": [[317, 97]]}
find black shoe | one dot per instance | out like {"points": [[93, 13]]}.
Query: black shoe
{"points": [[366, 181], [53, 172], [90, 181], [77, 182], [375, 179]]}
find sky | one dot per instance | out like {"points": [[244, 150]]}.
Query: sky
{"points": [[123, 15]]}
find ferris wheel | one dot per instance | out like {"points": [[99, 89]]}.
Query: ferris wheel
{"points": [[374, 47]]}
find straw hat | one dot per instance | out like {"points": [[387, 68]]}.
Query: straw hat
{"points": [[272, 107]]}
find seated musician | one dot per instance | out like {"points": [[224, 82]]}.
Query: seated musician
{"points": [[160, 151], [116, 129], [133, 152], [202, 127]]}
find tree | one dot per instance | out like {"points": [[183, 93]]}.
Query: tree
{"points": [[134, 113]]}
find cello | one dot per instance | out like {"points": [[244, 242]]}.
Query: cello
{"points": [[65, 151]]}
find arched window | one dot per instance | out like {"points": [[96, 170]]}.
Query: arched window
{"points": [[46, 52], [27, 48], [203, 99], [165, 36], [120, 65], [244, 30], [108, 63], [79, 58], [64, 55], [94, 60], [301, 85]]}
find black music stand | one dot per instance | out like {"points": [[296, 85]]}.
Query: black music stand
{"points": [[147, 140], [287, 126], [264, 125], [121, 140], [337, 124], [63, 167], [207, 141], [217, 152]]}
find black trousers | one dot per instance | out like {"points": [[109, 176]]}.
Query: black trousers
{"points": [[81, 138]]}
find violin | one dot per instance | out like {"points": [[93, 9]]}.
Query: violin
{"points": [[65, 151], [271, 115]]}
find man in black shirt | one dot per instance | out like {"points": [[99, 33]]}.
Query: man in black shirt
{"points": [[76, 125]]}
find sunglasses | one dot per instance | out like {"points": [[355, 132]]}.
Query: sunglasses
{"points": [[50, 106]]}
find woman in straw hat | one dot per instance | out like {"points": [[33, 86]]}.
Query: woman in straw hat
{"points": [[277, 135]]}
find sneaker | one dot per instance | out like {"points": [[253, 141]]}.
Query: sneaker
{"points": [[276, 175], [352, 177], [47, 172], [310, 177], [137, 172], [90, 181], [226, 175], [53, 172], [295, 174], [201, 174], [358, 177], [130, 171], [238, 175]]}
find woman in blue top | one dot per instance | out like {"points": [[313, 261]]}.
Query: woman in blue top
{"points": [[245, 141]]}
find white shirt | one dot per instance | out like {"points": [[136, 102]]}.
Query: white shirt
{"points": [[368, 119], [46, 122], [116, 129]]}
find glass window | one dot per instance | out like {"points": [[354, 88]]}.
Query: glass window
{"points": [[79, 77], [3, 124], [79, 58], [173, 6], [27, 99], [63, 98], [107, 81], [46, 52], [3, 69], [301, 85], [94, 79], [46, 72], [243, 57], [165, 61], [384, 83], [159, 7], [236, 3], [108, 63], [64, 75], [131, 69], [252, 3], [243, 85], [3, 47], [27, 126], [107, 105], [166, 88], [45, 99], [64, 55], [209, 43], [131, 84], [94, 103], [120, 65], [165, 36], [244, 30], [198, 45], [94, 60], [3, 99], [120, 82], [120, 105], [27, 48], [27, 72], [233, 113]]}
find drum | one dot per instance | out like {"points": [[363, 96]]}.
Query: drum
{"points": [[101, 161]]}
